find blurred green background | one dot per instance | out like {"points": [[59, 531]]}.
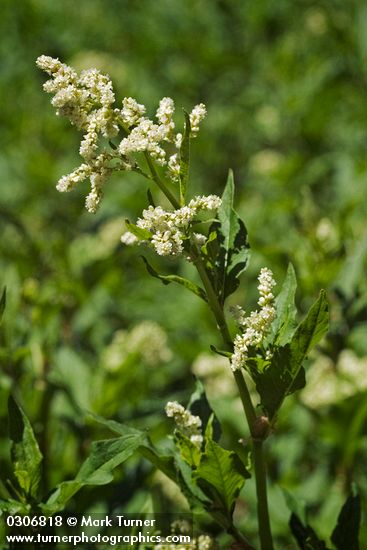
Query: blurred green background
{"points": [[86, 328]]}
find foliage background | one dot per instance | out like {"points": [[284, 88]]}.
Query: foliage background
{"points": [[285, 88]]}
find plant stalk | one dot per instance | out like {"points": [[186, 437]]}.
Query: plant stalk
{"points": [[266, 541]]}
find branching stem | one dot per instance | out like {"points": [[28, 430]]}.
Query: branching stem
{"points": [[158, 180]]}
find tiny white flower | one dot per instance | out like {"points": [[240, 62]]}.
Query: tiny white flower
{"points": [[196, 116], [189, 424], [256, 325]]}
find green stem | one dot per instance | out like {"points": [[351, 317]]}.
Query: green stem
{"points": [[266, 541], [158, 180], [258, 457]]}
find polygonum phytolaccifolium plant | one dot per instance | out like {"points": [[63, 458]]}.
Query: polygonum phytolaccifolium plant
{"points": [[206, 231]]}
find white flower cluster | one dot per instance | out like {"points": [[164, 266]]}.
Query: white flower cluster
{"points": [[169, 229], [132, 112], [87, 100], [187, 423], [256, 325], [196, 116], [149, 137]]}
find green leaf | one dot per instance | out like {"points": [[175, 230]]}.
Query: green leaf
{"points": [[234, 255], [98, 468], [346, 533], [305, 535], [312, 329], [142, 234], [221, 475], [285, 374], [2, 303], [25, 454], [192, 492], [165, 463], [185, 159], [167, 279], [284, 324]]}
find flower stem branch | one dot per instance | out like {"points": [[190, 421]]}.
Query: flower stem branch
{"points": [[158, 180]]}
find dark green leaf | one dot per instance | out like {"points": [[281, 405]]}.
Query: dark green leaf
{"points": [[305, 535], [285, 322], [142, 234], [285, 374], [167, 279], [312, 329], [185, 159], [221, 475], [234, 254], [346, 533], [25, 454], [199, 406]]}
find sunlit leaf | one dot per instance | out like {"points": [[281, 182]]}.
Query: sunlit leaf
{"points": [[25, 453], [221, 475]]}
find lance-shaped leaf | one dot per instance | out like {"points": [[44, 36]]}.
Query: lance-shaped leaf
{"points": [[167, 279], [164, 463], [199, 406], [221, 476], [234, 247], [284, 325], [25, 454], [185, 159], [98, 468], [285, 374], [346, 533], [305, 535]]}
